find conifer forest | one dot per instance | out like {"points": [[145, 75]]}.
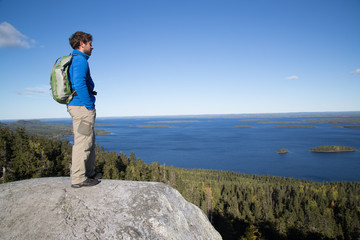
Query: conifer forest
{"points": [[240, 206]]}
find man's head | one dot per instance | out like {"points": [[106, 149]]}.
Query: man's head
{"points": [[81, 41]]}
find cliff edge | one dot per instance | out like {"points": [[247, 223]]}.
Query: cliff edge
{"points": [[48, 208]]}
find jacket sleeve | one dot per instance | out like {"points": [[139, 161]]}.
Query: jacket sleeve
{"points": [[80, 75]]}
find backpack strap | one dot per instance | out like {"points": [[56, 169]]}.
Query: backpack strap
{"points": [[73, 91]]}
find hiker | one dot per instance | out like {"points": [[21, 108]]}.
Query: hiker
{"points": [[82, 111]]}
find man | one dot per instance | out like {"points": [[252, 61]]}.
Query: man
{"points": [[83, 113]]}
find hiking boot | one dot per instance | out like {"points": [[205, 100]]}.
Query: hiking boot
{"points": [[96, 176], [87, 183]]}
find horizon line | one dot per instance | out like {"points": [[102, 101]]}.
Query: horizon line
{"points": [[197, 115]]}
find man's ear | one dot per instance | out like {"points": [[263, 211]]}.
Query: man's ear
{"points": [[81, 44]]}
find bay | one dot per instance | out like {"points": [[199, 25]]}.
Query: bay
{"points": [[215, 143]]}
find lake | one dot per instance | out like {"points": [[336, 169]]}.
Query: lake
{"points": [[215, 143]]}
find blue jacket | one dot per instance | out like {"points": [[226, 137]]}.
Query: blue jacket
{"points": [[81, 81]]}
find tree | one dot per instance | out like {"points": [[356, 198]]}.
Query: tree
{"points": [[110, 167], [252, 233]]}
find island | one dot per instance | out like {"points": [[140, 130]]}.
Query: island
{"points": [[241, 126], [153, 126], [283, 150], [349, 126], [295, 126], [279, 122], [332, 149], [101, 132], [175, 121], [353, 126]]}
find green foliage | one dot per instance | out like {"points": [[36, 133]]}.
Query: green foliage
{"points": [[26, 156], [280, 208], [240, 206], [252, 233]]}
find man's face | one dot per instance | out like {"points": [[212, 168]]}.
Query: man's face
{"points": [[86, 48]]}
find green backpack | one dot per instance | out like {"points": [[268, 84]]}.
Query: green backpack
{"points": [[60, 80]]}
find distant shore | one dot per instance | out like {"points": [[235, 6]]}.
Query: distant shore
{"points": [[245, 116], [37, 127]]}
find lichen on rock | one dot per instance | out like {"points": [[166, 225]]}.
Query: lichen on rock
{"points": [[48, 208]]}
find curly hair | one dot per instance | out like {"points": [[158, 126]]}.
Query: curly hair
{"points": [[78, 37]]}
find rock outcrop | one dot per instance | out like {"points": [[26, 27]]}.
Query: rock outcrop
{"points": [[48, 208]]}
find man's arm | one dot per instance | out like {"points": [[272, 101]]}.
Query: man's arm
{"points": [[80, 74]]}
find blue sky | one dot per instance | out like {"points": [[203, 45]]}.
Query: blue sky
{"points": [[174, 57]]}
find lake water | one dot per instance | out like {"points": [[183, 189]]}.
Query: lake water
{"points": [[218, 144]]}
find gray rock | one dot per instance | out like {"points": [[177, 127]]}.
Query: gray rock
{"points": [[48, 208]]}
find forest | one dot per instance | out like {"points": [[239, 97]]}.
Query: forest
{"points": [[240, 206]]}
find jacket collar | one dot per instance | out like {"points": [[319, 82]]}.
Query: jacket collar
{"points": [[80, 53]]}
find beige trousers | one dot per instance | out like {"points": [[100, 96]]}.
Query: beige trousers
{"points": [[83, 151]]}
